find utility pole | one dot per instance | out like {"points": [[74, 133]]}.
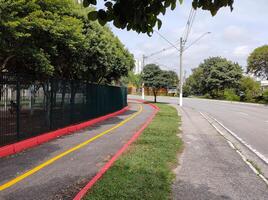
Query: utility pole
{"points": [[142, 89], [181, 79]]}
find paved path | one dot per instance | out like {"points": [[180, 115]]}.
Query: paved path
{"points": [[211, 170], [63, 178], [247, 121]]}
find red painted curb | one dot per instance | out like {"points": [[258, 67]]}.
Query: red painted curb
{"points": [[145, 102], [35, 141], [102, 171]]}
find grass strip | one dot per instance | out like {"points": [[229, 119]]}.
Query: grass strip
{"points": [[145, 170]]}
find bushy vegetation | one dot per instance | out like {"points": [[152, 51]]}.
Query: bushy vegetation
{"points": [[155, 78], [219, 78], [230, 95], [55, 38], [265, 96], [214, 76]]}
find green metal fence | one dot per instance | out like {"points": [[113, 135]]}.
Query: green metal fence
{"points": [[29, 107]]}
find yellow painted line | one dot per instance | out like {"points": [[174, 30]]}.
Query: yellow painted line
{"points": [[52, 160]]}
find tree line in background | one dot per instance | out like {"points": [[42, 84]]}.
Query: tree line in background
{"points": [[153, 78], [55, 38], [219, 78]]}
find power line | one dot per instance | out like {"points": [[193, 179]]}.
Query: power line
{"points": [[166, 40]]}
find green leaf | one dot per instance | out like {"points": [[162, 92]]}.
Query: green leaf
{"points": [[108, 4], [159, 23], [93, 15], [86, 3], [102, 15]]}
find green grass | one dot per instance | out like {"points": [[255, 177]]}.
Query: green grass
{"points": [[145, 170]]}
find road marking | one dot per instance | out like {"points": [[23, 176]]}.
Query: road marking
{"points": [[52, 160], [237, 150], [261, 156], [242, 113]]}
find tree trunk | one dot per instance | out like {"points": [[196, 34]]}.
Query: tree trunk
{"points": [[155, 94], [63, 94], [3, 66]]}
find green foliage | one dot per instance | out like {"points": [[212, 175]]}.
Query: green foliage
{"points": [[134, 79], [213, 76], [144, 171], [230, 95], [265, 95], [155, 78], [106, 59], [171, 77], [258, 62], [142, 16], [193, 84], [38, 36], [55, 38], [249, 88]]}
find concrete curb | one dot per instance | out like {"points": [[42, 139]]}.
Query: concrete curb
{"points": [[108, 165], [231, 102], [35, 141]]}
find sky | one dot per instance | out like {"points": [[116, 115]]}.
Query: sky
{"points": [[233, 35]]}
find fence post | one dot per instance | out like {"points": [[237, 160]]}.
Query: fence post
{"points": [[72, 102], [51, 103], [18, 106]]}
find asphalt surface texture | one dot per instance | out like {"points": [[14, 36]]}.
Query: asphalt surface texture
{"points": [[209, 167], [248, 121], [211, 170], [64, 178]]}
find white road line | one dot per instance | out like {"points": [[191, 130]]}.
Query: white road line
{"points": [[261, 156], [238, 151], [242, 113]]}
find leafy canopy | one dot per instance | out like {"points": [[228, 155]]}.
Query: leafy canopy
{"points": [[143, 15], [258, 62], [213, 76], [155, 78], [249, 88], [55, 38]]}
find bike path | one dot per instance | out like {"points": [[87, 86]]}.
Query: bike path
{"points": [[39, 173]]}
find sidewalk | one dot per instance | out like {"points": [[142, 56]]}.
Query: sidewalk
{"points": [[64, 177], [209, 168]]}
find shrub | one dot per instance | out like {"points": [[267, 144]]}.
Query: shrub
{"points": [[265, 95], [230, 95]]}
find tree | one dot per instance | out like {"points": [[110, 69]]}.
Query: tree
{"points": [[219, 74], [258, 62], [193, 84], [39, 37], [249, 88], [172, 78], [142, 16], [154, 78], [134, 79], [213, 76], [55, 38]]}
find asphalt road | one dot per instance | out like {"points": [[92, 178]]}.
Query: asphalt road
{"points": [[248, 121], [63, 177], [209, 168]]}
